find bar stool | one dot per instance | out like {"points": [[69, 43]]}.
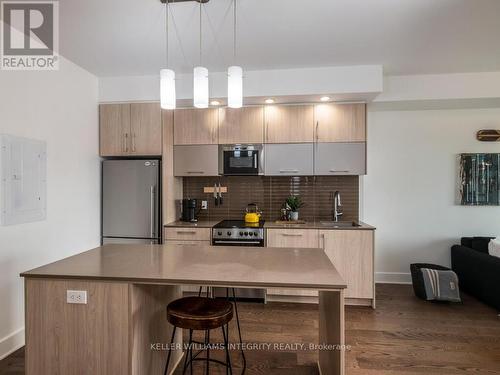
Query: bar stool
{"points": [[200, 314], [209, 292]]}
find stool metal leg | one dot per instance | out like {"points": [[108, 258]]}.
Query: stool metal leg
{"points": [[225, 334], [239, 333], [208, 352], [190, 353], [169, 351]]}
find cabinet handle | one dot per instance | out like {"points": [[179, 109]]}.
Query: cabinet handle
{"points": [[292, 234], [336, 171], [267, 133], [133, 142], [316, 135], [126, 142], [186, 232], [322, 241], [289, 171], [195, 172]]}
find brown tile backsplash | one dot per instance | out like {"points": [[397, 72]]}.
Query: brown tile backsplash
{"points": [[270, 192]]}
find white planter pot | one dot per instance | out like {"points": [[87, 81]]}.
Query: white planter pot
{"points": [[294, 215]]}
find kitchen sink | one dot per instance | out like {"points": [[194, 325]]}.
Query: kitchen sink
{"points": [[340, 224]]}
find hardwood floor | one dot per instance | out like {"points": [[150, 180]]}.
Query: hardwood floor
{"points": [[402, 336]]}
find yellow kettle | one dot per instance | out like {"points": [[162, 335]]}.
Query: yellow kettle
{"points": [[252, 214]]}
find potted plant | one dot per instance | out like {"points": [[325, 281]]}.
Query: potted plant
{"points": [[293, 203]]}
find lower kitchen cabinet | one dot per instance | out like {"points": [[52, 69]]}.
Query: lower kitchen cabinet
{"points": [[295, 238], [179, 236], [352, 253], [196, 160]]}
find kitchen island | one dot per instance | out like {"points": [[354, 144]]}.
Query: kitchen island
{"points": [[114, 328]]}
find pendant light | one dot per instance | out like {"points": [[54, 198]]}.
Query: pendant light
{"points": [[200, 79], [234, 75], [167, 77]]}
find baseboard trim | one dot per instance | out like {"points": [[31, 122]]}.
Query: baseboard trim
{"points": [[10, 343], [392, 278]]}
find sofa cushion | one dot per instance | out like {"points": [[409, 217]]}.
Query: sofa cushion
{"points": [[481, 244]]}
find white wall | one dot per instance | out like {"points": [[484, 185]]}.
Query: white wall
{"points": [[409, 192], [59, 107]]}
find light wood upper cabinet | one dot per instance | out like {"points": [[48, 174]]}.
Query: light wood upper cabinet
{"points": [[289, 123], [114, 129], [193, 126], [146, 129], [130, 129], [352, 253], [340, 122], [242, 125]]}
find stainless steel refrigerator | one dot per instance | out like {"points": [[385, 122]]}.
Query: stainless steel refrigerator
{"points": [[131, 202]]}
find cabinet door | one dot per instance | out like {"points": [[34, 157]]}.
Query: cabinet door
{"points": [[146, 129], [351, 252], [114, 129], [340, 122], [340, 159], [295, 238], [288, 159], [196, 160], [289, 123], [193, 126], [242, 125]]}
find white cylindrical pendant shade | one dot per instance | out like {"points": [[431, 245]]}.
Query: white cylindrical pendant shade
{"points": [[235, 87], [167, 89], [200, 87]]}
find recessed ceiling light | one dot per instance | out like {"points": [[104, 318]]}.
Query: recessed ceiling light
{"points": [[325, 98], [214, 102], [269, 101]]}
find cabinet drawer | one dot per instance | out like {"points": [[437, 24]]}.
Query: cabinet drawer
{"points": [[296, 238], [187, 234], [292, 292]]}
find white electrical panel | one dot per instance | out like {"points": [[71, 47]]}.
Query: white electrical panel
{"points": [[23, 171]]}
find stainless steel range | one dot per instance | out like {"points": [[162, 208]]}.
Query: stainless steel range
{"points": [[239, 233]]}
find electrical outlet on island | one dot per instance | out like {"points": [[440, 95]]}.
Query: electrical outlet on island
{"points": [[76, 296]]}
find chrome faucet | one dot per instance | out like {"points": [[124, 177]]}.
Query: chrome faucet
{"points": [[337, 206]]}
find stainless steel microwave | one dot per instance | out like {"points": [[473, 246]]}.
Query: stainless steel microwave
{"points": [[241, 160]]}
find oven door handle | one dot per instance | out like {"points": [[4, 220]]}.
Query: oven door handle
{"points": [[255, 155], [237, 242]]}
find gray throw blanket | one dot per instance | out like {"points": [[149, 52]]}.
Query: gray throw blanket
{"points": [[441, 285]]}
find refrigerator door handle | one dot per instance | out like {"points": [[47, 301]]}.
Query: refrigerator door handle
{"points": [[152, 208]]}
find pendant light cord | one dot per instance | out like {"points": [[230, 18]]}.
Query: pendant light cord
{"points": [[166, 21], [234, 32], [200, 35]]}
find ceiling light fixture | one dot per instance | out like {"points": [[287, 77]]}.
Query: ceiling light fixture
{"points": [[234, 74], [200, 78], [269, 101], [215, 103], [167, 76], [325, 98]]}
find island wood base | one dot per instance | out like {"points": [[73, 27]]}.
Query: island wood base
{"points": [[112, 334]]}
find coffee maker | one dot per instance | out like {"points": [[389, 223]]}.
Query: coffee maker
{"points": [[189, 210]]}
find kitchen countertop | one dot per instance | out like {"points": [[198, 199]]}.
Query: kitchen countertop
{"points": [[232, 266], [272, 225]]}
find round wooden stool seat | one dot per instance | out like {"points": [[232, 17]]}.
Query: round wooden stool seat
{"points": [[199, 313]]}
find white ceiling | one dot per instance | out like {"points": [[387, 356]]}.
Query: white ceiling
{"points": [[126, 37]]}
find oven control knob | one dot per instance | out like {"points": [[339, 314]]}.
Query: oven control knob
{"points": [[241, 233], [229, 233], [246, 233], [219, 233]]}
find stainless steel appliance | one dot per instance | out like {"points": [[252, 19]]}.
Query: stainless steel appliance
{"points": [[131, 202], [189, 210], [241, 160], [239, 233]]}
